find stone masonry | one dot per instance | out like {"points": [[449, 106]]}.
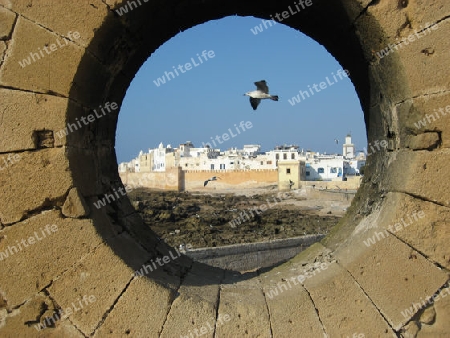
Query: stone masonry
{"points": [[68, 268]]}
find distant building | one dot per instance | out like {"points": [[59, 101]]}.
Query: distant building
{"points": [[263, 161], [123, 167], [159, 157], [325, 167], [312, 165], [191, 158], [286, 153], [348, 148], [354, 166], [251, 150], [137, 163], [146, 161], [290, 173]]}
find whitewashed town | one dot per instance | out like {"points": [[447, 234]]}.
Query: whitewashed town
{"points": [[315, 166]]}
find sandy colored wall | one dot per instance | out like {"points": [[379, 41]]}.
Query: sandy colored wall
{"points": [[178, 180], [169, 180], [352, 183], [226, 179]]}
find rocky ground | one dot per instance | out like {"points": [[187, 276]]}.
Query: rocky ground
{"points": [[203, 219]]}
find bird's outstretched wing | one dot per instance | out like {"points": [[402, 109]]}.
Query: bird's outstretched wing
{"points": [[254, 102], [205, 183], [262, 86]]}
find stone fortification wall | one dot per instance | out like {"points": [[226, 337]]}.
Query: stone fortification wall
{"points": [[68, 268], [171, 179], [230, 178]]}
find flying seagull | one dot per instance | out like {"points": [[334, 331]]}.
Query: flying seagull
{"points": [[261, 92], [214, 178]]}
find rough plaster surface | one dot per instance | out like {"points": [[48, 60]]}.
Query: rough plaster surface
{"points": [[56, 180]]}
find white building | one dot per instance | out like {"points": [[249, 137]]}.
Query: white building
{"points": [[262, 161], [164, 157], [348, 148], [135, 163], [192, 158], [159, 158], [188, 157], [123, 167], [354, 166], [286, 153], [248, 158], [251, 149], [203, 162], [325, 167]]}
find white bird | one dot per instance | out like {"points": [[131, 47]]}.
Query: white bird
{"points": [[214, 178], [261, 92]]}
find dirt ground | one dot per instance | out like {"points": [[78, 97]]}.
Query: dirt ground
{"points": [[208, 219]]}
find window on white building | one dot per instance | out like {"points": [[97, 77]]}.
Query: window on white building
{"points": [[284, 156], [292, 156], [212, 166], [320, 170], [333, 170], [288, 171]]}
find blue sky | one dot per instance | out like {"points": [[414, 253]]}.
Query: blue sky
{"points": [[207, 100]]}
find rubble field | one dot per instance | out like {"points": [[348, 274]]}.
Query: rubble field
{"points": [[217, 219]]}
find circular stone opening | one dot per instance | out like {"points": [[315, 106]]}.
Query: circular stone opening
{"points": [[245, 219]]}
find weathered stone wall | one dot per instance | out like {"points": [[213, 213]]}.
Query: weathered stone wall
{"points": [[60, 252]]}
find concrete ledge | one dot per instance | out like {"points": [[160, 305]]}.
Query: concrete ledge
{"points": [[243, 257]]}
